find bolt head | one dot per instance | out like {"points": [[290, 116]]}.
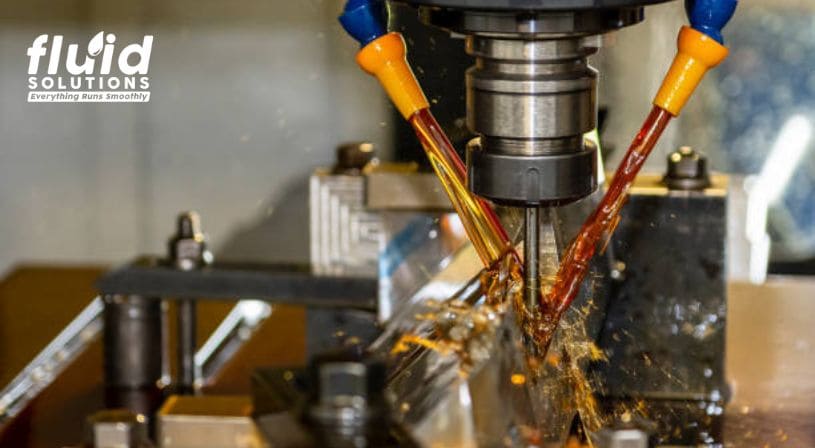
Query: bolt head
{"points": [[346, 386], [687, 170], [343, 384], [352, 157], [188, 248]]}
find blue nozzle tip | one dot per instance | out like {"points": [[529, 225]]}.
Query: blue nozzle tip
{"points": [[710, 16], [364, 20]]}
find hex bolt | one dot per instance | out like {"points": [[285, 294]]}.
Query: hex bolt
{"points": [[347, 389], [352, 157], [188, 247], [687, 170]]}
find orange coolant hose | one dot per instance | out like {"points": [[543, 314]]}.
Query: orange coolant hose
{"points": [[697, 53], [385, 58]]}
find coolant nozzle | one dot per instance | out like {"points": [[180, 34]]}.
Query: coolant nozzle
{"points": [[710, 16], [365, 20]]}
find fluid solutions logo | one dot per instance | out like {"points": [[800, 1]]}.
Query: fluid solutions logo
{"points": [[94, 73]]}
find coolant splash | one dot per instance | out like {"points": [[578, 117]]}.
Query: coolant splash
{"points": [[443, 342]]}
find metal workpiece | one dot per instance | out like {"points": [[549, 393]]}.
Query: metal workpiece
{"points": [[188, 251], [531, 101], [116, 428], [133, 341], [344, 235], [687, 170]]}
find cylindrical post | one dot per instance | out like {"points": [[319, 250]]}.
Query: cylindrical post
{"points": [[186, 315], [132, 353]]}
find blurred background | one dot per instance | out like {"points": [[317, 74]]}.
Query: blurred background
{"points": [[247, 98]]}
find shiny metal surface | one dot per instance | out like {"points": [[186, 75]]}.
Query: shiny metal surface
{"points": [[239, 325], [531, 101], [451, 400], [437, 402], [531, 90], [345, 237], [390, 222]]}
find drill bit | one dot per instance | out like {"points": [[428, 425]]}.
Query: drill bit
{"points": [[553, 220], [536, 220], [531, 251]]}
